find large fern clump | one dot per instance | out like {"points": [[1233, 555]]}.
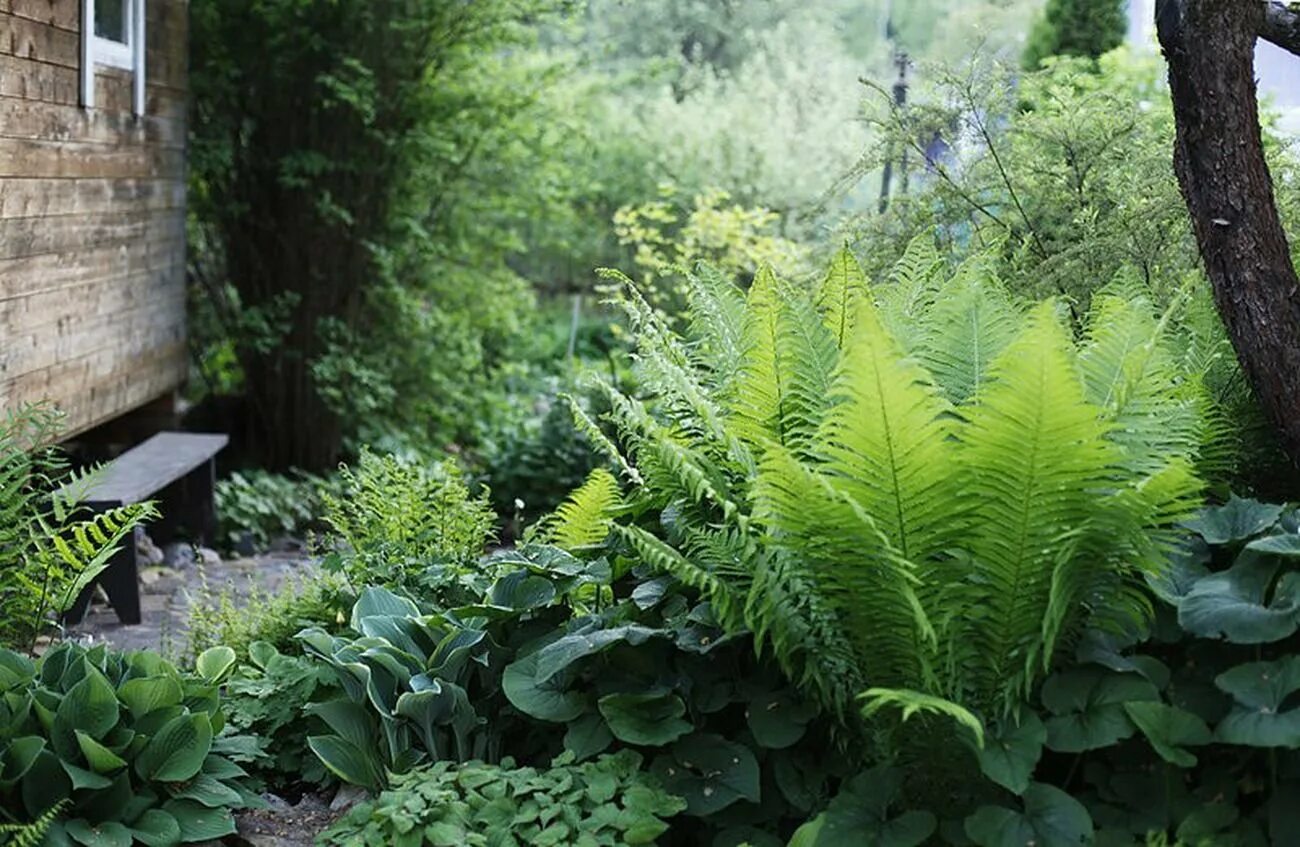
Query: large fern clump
{"points": [[918, 493]]}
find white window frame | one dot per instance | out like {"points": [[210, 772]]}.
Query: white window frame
{"points": [[105, 52]]}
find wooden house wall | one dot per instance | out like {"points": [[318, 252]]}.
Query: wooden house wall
{"points": [[92, 217]]}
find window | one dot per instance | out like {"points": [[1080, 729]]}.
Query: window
{"points": [[112, 35]]}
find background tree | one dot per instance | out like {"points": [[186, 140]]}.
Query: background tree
{"points": [[1075, 28], [1220, 161]]}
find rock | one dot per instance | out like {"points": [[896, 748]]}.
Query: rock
{"points": [[245, 544], [178, 555], [347, 797], [147, 553], [208, 557]]}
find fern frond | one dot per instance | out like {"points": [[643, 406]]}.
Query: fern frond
{"points": [[914, 284], [716, 314], [842, 288], [965, 330], [584, 424], [33, 834], [912, 703], [584, 518]]}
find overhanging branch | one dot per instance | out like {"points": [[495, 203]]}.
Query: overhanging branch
{"points": [[1282, 25]]}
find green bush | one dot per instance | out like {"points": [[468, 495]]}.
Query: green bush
{"points": [[259, 507], [125, 741], [606, 801], [1086, 28]]}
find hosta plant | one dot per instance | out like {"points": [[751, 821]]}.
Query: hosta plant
{"points": [[915, 494], [123, 744]]}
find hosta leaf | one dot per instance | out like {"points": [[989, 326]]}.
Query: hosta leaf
{"points": [[109, 834], [381, 602], [18, 758], [1258, 690], [215, 663], [143, 695], [1087, 706], [1169, 729], [859, 815], [522, 590], [156, 828], [778, 719], [207, 791], [100, 758], [82, 778], [1051, 818], [177, 752], [1239, 604], [1236, 520], [199, 823], [89, 706], [346, 760], [547, 701], [709, 772], [563, 652], [651, 719], [1010, 755]]}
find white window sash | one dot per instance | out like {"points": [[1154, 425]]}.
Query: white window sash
{"points": [[96, 52]]}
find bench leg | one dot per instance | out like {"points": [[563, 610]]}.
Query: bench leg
{"points": [[120, 582], [188, 509]]}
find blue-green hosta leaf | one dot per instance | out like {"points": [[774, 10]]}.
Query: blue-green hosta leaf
{"points": [[381, 601], [177, 752], [1087, 706], [1169, 729], [347, 761], [214, 663], [1286, 545], [778, 719], [108, 834], [1011, 753], [18, 758], [207, 791], [709, 772], [522, 590], [1051, 818], [1258, 690], [350, 720], [15, 669], [859, 815], [651, 719], [1236, 520], [143, 695], [587, 736], [156, 828], [89, 706], [199, 823], [1241, 605], [549, 700], [82, 778], [100, 758]]}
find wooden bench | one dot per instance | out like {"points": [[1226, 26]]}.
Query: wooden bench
{"points": [[180, 467]]}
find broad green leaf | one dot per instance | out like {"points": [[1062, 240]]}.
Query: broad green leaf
{"points": [[381, 602], [547, 701], [563, 652], [100, 758], [89, 706], [652, 719], [1051, 818], [587, 736], [1169, 729], [199, 823], [1258, 690], [82, 778], [1241, 605], [709, 772], [143, 695], [1087, 706], [778, 719], [352, 721], [859, 815], [1287, 545], [1010, 755], [109, 834], [346, 760], [177, 752], [1236, 520], [215, 663], [522, 590], [207, 791], [156, 828], [18, 758]]}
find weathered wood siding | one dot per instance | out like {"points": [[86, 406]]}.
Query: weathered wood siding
{"points": [[92, 217]]}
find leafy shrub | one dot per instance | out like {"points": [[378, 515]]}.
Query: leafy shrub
{"points": [[124, 740], [259, 507], [395, 517], [1076, 28], [606, 801], [47, 554], [923, 501]]}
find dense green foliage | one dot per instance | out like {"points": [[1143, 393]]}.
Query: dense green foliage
{"points": [[1086, 28]]}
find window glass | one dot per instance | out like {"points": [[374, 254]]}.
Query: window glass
{"points": [[110, 20]]}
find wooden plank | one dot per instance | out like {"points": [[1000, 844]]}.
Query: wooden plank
{"points": [[32, 275], [113, 93], [146, 469], [22, 158], [28, 39], [63, 14], [46, 121], [38, 198], [30, 80], [47, 313], [32, 236], [66, 382]]}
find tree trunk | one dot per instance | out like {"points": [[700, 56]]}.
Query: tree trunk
{"points": [[1219, 160]]}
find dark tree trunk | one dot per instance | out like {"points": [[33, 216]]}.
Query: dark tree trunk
{"points": [[1219, 159]]}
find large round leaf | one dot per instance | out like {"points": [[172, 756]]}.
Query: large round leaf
{"points": [[652, 719], [199, 823], [156, 828], [587, 736], [1236, 520], [1087, 706], [1241, 604], [143, 695], [109, 834], [177, 752], [1011, 752], [1258, 690], [778, 719], [1169, 729], [1051, 818], [859, 815], [548, 700], [522, 590], [709, 772]]}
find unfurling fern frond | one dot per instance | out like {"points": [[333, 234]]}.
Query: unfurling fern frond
{"points": [[584, 518]]}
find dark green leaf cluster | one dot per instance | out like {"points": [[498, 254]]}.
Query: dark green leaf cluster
{"points": [[1086, 28], [610, 801], [123, 745]]}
